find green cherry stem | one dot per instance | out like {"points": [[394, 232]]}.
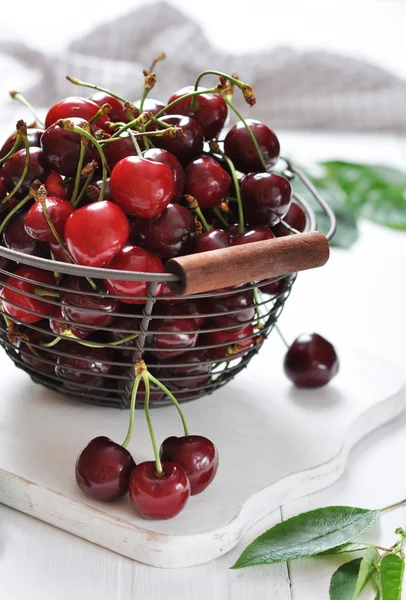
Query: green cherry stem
{"points": [[220, 217], [237, 82], [234, 177], [83, 190], [70, 335], [92, 86], [13, 211], [132, 410], [287, 226], [18, 96], [41, 293], [159, 470], [284, 340], [103, 110], [136, 144], [25, 170], [257, 301], [78, 173], [391, 506], [54, 342], [195, 208], [172, 398], [13, 149]]}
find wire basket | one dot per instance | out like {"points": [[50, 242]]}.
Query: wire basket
{"points": [[101, 372]]}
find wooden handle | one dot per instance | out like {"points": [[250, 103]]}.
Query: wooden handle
{"points": [[217, 269]]}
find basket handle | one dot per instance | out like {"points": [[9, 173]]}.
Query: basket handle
{"points": [[218, 269]]}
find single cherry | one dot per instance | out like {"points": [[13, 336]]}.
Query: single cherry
{"points": [[267, 198], [235, 309], [59, 327], [185, 147], [207, 181], [239, 147], [16, 238], [254, 234], [25, 304], [33, 136], [54, 184], [85, 366], [278, 287], [163, 156], [189, 308], [159, 496], [124, 147], [61, 148], [193, 372], [210, 111], [172, 337], [103, 469], [228, 343], [83, 306], [122, 328], [13, 169], [212, 240], [36, 224], [311, 361], [75, 106], [117, 113], [295, 217], [40, 362], [151, 105], [197, 455]]}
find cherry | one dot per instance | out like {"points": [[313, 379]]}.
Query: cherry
{"points": [[16, 238], [5, 265], [211, 111], [239, 147], [84, 365], [189, 308], [194, 371], [137, 259], [59, 253], [150, 105], [172, 233], [166, 293], [36, 224], [311, 361], [212, 240], [159, 496], [58, 326], [35, 362], [85, 307], [33, 136], [25, 303], [232, 342], [103, 469], [117, 113], [170, 160], [236, 309], [55, 186], [172, 337], [14, 166], [255, 234], [124, 147], [266, 197], [96, 233], [3, 191], [75, 106], [197, 455], [141, 187], [207, 181], [61, 148], [275, 288], [116, 334], [186, 147], [92, 192], [295, 217]]}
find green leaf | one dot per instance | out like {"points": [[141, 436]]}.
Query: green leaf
{"points": [[378, 583], [392, 568], [344, 549], [307, 534], [366, 570], [344, 581]]}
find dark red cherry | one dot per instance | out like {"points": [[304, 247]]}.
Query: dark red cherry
{"points": [[62, 148], [3, 191], [59, 253], [14, 166], [163, 156], [60, 327], [255, 234], [25, 303], [103, 470], [267, 198], [16, 238], [211, 111], [74, 106], [197, 455], [229, 342], [172, 337], [193, 371], [170, 234], [276, 288], [36, 224], [239, 147], [93, 191], [34, 139], [124, 147], [235, 309], [207, 181], [141, 187], [212, 240], [84, 365], [83, 306], [41, 362], [151, 105], [159, 496], [166, 293], [190, 308], [122, 328], [311, 361], [96, 233], [134, 258], [54, 185], [186, 147], [117, 113], [295, 217]]}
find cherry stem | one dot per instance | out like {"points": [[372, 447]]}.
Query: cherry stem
{"points": [[281, 336], [132, 410], [159, 57], [83, 190], [103, 110], [391, 506], [237, 82], [145, 93], [257, 301], [172, 398], [25, 170], [78, 173], [159, 470], [69, 334], [54, 342], [18, 96], [220, 217], [136, 144], [41, 293], [287, 226], [95, 87], [230, 163], [13, 149], [252, 136], [13, 211]]}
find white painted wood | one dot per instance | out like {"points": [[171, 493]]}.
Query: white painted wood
{"points": [[275, 442]]}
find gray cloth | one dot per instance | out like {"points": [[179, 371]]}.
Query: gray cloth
{"points": [[299, 90]]}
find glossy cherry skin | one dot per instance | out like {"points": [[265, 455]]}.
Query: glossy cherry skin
{"points": [[103, 469], [79, 297], [55, 185], [116, 334], [232, 342], [192, 373], [26, 303], [212, 240], [62, 148], [236, 309], [36, 224], [190, 308], [239, 147], [186, 147], [141, 187], [172, 337], [33, 136], [170, 234], [58, 326], [163, 156], [159, 496], [151, 105], [14, 166], [96, 233], [124, 147], [311, 361], [211, 113], [275, 288], [197, 455], [295, 217], [15, 237], [35, 362], [207, 181], [74, 106], [117, 113], [267, 198], [134, 258], [85, 365], [255, 234]]}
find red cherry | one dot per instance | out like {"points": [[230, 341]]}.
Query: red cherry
{"points": [[54, 185], [58, 326], [311, 361], [163, 156], [192, 373], [159, 496], [124, 147], [85, 307], [116, 334], [62, 148], [103, 469], [197, 455], [96, 233], [3, 191], [15, 237], [239, 147], [172, 337], [166, 293], [267, 198], [74, 106], [295, 217], [235, 309], [232, 342], [212, 240], [141, 187], [207, 181], [36, 224], [276, 288], [59, 253], [115, 115], [33, 136], [44, 365], [14, 166], [211, 112], [255, 234], [187, 146], [25, 303], [151, 105], [189, 308], [134, 258], [85, 365]]}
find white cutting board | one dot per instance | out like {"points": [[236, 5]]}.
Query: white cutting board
{"points": [[276, 443]]}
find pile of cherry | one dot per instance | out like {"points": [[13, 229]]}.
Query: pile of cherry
{"points": [[127, 186]]}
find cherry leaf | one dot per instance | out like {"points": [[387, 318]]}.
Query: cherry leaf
{"points": [[392, 568], [344, 581], [366, 570]]}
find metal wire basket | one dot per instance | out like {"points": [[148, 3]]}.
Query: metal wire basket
{"points": [[106, 378]]}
